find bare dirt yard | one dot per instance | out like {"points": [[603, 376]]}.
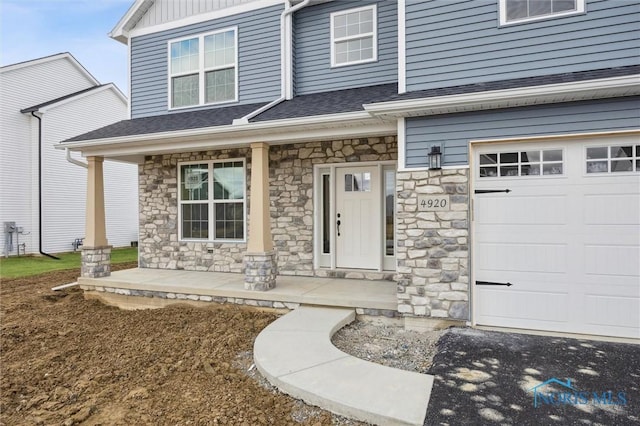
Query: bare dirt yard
{"points": [[66, 360]]}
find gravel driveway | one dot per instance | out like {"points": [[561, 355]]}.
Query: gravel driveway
{"points": [[486, 377]]}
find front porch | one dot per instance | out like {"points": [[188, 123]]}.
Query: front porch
{"points": [[154, 288]]}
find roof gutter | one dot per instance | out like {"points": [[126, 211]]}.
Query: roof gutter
{"points": [[519, 96], [33, 113], [286, 68]]}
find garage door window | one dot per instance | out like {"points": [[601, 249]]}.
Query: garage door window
{"points": [[613, 159], [522, 163]]}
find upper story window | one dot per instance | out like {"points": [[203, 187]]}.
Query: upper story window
{"points": [[203, 69], [354, 36], [515, 11]]}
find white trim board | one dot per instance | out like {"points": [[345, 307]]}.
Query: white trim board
{"points": [[507, 98]]}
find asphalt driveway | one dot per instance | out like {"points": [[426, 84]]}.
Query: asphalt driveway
{"points": [[487, 377]]}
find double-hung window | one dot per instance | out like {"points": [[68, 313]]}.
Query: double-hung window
{"points": [[203, 69], [212, 200], [354, 36], [514, 11]]}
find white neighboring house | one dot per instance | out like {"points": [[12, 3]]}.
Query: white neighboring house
{"points": [[43, 102]]}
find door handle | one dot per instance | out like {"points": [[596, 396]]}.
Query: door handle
{"points": [[338, 227]]}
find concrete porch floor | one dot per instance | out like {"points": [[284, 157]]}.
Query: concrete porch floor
{"points": [[210, 286]]}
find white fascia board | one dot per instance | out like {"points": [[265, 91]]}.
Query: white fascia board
{"points": [[99, 89], [574, 91], [298, 129], [203, 17], [118, 32]]}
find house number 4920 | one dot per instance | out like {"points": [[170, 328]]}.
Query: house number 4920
{"points": [[433, 203]]}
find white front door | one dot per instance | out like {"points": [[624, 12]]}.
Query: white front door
{"points": [[358, 217]]}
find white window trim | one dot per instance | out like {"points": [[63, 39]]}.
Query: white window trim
{"points": [[373, 34], [211, 202], [580, 8], [201, 69]]}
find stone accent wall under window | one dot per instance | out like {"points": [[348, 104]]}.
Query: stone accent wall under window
{"points": [[158, 193], [433, 246], [291, 204]]}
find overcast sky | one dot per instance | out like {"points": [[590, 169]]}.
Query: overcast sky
{"points": [[31, 29]]}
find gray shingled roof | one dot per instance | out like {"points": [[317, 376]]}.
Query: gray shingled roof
{"points": [[170, 122], [519, 82], [334, 102]]}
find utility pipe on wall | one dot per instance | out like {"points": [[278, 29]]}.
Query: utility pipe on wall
{"points": [[40, 188], [285, 63]]}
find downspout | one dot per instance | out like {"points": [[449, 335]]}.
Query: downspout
{"points": [[40, 188], [285, 62], [74, 161]]}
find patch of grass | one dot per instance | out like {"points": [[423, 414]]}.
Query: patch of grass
{"points": [[24, 266]]}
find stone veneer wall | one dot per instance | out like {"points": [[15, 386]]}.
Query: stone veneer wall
{"points": [[433, 247], [291, 204]]}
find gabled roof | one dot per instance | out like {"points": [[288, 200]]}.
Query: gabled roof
{"points": [[130, 19], [64, 55], [54, 102]]}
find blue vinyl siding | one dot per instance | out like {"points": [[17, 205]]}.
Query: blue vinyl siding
{"points": [[258, 61], [451, 43], [313, 49], [454, 131]]}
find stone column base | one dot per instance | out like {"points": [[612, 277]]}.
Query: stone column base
{"points": [[96, 262], [260, 271]]}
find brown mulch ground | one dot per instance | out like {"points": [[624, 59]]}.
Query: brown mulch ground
{"points": [[66, 360]]}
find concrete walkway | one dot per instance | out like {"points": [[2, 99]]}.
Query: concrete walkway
{"points": [[296, 355]]}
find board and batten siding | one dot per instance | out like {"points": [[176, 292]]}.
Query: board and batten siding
{"points": [[313, 49], [451, 43], [258, 61], [163, 11], [65, 185], [454, 131]]}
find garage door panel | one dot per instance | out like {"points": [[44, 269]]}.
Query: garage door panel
{"points": [[522, 210], [610, 311], [600, 209], [505, 305], [523, 257], [612, 260]]}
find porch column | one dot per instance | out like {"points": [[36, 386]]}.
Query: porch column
{"points": [[96, 251], [260, 262]]}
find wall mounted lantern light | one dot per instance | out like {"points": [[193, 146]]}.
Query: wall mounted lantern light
{"points": [[434, 158]]}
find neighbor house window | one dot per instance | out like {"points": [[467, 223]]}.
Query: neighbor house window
{"points": [[203, 69], [512, 11], [212, 200], [353, 36]]}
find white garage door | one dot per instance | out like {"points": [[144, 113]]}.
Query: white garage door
{"points": [[566, 236]]}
